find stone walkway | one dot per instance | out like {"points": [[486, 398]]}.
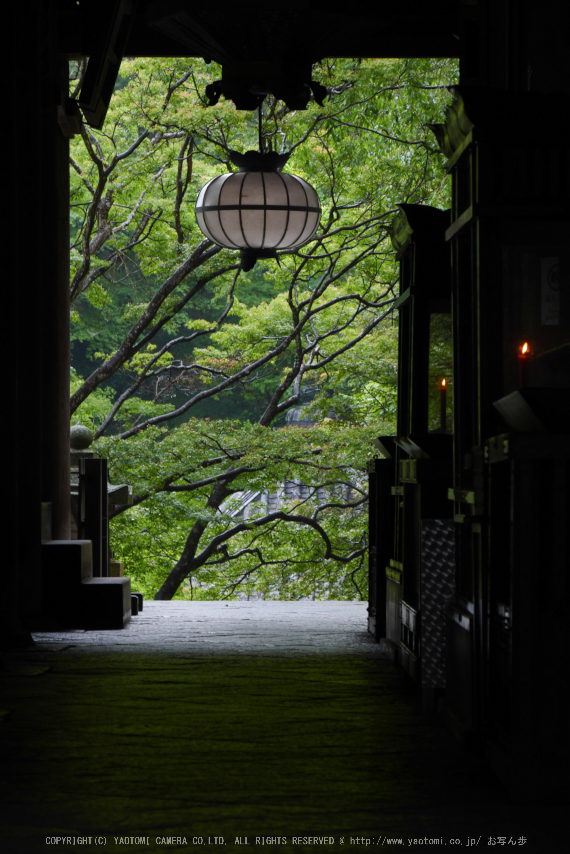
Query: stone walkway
{"points": [[257, 627], [278, 722]]}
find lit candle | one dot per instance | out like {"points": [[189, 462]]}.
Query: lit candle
{"points": [[523, 365], [442, 406]]}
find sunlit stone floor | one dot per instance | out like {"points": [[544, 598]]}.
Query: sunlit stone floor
{"points": [[262, 720]]}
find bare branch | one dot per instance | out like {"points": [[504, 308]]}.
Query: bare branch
{"points": [[218, 540], [203, 251], [172, 89]]}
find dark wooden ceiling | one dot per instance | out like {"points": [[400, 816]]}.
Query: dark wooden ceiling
{"points": [[258, 30]]}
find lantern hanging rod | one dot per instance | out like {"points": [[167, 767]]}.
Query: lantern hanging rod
{"points": [[261, 160], [258, 210]]}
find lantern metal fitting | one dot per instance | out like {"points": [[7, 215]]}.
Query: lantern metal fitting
{"points": [[259, 209]]}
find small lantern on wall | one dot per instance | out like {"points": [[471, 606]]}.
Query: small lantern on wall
{"points": [[259, 209]]}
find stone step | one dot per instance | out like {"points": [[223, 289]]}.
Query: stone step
{"points": [[66, 564], [72, 597], [105, 603]]}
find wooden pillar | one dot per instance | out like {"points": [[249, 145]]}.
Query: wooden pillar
{"points": [[54, 292], [35, 333]]}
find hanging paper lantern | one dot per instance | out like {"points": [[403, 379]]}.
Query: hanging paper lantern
{"points": [[259, 210]]}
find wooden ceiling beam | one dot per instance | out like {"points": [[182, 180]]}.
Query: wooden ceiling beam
{"points": [[373, 30]]}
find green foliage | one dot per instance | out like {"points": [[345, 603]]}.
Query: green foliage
{"points": [[282, 560], [202, 378], [92, 412]]}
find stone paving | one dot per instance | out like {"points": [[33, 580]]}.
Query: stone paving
{"points": [[277, 722], [256, 627]]}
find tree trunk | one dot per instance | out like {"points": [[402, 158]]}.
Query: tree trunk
{"points": [[186, 563]]}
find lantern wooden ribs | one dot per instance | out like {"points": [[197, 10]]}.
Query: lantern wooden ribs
{"points": [[259, 210]]}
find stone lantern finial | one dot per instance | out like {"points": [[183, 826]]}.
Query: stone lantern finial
{"points": [[80, 437]]}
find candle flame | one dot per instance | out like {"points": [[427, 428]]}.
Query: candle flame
{"points": [[524, 348], [443, 383]]}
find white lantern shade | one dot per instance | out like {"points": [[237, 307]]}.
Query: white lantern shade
{"points": [[261, 211]]}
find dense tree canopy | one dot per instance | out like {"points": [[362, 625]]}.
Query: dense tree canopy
{"points": [[186, 366]]}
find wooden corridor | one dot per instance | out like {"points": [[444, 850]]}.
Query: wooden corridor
{"points": [[262, 720]]}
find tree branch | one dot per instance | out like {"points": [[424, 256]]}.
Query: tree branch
{"points": [[203, 251]]}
